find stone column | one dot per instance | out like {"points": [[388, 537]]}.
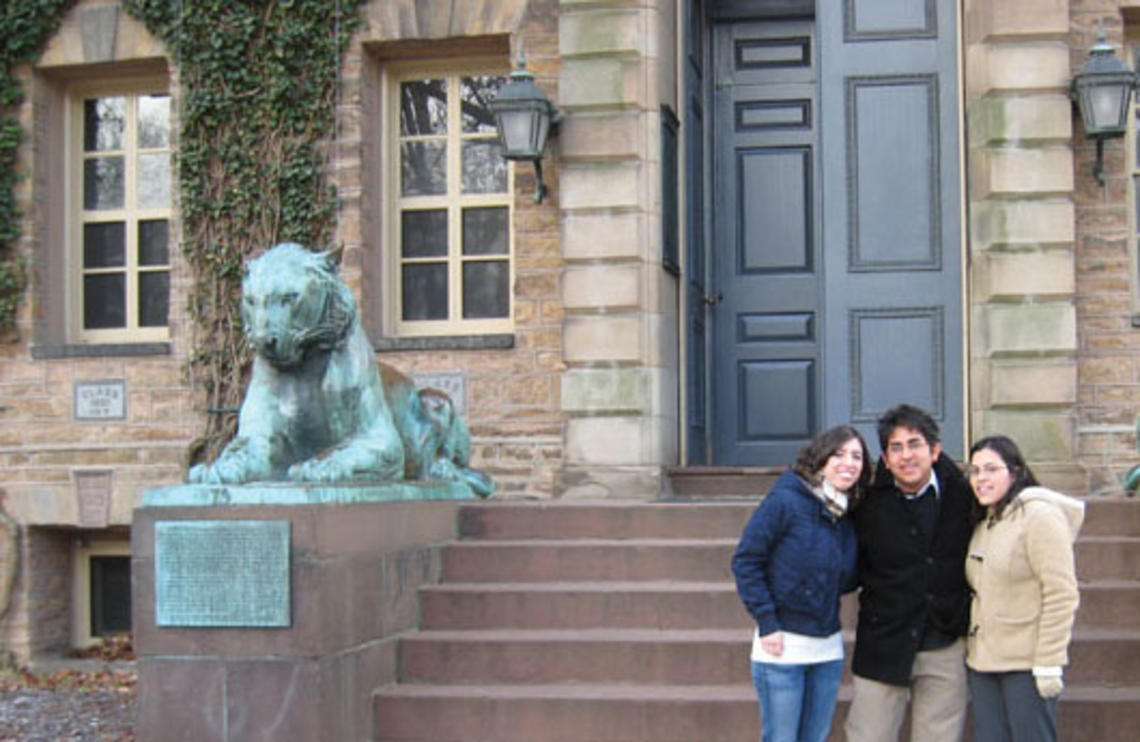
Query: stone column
{"points": [[1023, 342], [619, 391]]}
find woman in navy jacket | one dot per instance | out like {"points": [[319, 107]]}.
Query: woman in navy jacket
{"points": [[795, 558]]}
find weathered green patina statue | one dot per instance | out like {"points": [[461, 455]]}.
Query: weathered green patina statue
{"points": [[319, 408]]}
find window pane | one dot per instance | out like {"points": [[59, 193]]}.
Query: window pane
{"points": [[485, 289], [154, 237], [104, 123], [104, 301], [485, 231], [103, 183], [423, 234], [154, 121], [154, 180], [425, 291], [423, 167], [484, 169], [154, 293], [110, 595], [423, 108], [104, 245], [475, 93]]}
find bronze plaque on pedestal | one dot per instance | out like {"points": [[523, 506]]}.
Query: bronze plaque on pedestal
{"points": [[222, 573]]}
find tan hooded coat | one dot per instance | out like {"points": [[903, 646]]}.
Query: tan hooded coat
{"points": [[1022, 573]]}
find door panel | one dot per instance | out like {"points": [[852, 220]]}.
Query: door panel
{"points": [[891, 184], [764, 262]]}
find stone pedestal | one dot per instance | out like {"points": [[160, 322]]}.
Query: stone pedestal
{"points": [[356, 556]]}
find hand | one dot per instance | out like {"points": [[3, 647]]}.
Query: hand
{"points": [[1049, 686], [773, 643]]}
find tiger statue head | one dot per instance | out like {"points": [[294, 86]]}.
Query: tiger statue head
{"points": [[293, 303]]}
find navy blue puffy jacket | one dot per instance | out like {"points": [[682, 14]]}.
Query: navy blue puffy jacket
{"points": [[793, 562]]}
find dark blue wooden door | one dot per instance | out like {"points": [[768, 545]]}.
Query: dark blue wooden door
{"points": [[835, 239]]}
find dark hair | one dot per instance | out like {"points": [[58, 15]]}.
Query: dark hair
{"points": [[906, 416], [813, 457], [1019, 471]]}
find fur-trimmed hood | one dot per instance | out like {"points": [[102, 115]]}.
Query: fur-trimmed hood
{"points": [[1073, 508]]}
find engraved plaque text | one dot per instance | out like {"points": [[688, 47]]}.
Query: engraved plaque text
{"points": [[101, 400], [222, 573]]}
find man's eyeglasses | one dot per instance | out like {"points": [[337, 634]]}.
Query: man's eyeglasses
{"points": [[989, 470]]}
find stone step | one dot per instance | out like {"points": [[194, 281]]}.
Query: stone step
{"points": [[1109, 604], [582, 605], [589, 559], [602, 519], [1098, 557], [1108, 557], [676, 657], [1105, 604], [1111, 516], [661, 713], [566, 713], [632, 519], [497, 656], [721, 482]]}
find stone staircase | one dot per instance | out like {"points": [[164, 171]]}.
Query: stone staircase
{"points": [[618, 622]]}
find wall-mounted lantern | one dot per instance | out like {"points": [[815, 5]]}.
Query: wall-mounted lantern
{"points": [[1102, 91], [524, 118]]}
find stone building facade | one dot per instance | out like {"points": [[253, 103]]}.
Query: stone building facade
{"points": [[593, 388]]}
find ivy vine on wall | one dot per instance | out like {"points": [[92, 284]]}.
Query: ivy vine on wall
{"points": [[25, 27], [257, 84]]}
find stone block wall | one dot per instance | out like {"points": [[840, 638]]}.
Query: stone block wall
{"points": [[1108, 402], [39, 616], [42, 444], [512, 401], [512, 394], [620, 390], [1023, 312]]}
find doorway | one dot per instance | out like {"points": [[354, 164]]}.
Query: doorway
{"points": [[829, 280]]}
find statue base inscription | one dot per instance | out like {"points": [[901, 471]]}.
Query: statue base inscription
{"points": [[219, 573]]}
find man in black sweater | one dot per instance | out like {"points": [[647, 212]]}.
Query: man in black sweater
{"points": [[914, 605]]}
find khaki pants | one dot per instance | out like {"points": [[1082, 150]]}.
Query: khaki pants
{"points": [[937, 694]]}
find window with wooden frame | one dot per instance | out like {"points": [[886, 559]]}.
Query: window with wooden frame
{"points": [[450, 211], [119, 185]]}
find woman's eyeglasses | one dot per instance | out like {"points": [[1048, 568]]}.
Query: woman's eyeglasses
{"points": [[989, 470]]}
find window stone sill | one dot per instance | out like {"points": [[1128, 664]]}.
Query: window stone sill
{"points": [[100, 350], [502, 341]]}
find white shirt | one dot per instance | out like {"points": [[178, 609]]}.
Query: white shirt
{"points": [[800, 649]]}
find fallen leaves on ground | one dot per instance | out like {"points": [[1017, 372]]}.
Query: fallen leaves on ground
{"points": [[123, 681]]}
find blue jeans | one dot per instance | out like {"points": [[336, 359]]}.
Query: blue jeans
{"points": [[797, 702]]}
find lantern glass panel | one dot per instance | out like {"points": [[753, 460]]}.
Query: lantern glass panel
{"points": [[1108, 104], [518, 129]]}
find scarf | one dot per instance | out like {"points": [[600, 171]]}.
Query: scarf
{"points": [[832, 499]]}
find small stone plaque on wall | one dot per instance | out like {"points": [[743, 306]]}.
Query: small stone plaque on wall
{"points": [[93, 494], [101, 400], [222, 573], [453, 384]]}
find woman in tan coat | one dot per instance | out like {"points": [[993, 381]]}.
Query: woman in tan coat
{"points": [[1020, 568]]}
